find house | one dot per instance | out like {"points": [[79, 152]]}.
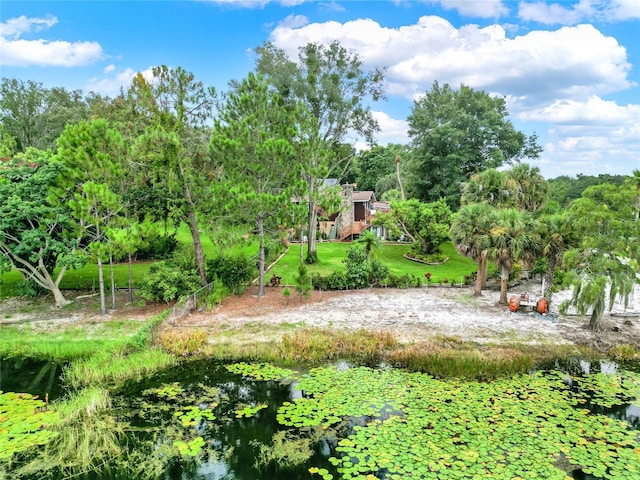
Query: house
{"points": [[358, 208]]}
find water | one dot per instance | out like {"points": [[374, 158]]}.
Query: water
{"points": [[232, 444], [31, 376], [151, 411]]}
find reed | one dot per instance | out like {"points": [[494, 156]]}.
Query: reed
{"points": [[106, 368]]}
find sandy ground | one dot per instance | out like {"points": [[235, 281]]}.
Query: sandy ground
{"points": [[412, 315], [417, 314]]}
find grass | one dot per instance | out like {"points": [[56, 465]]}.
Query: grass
{"points": [[65, 344], [105, 368], [86, 278], [330, 256]]}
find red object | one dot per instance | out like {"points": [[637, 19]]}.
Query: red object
{"points": [[542, 306], [514, 303]]}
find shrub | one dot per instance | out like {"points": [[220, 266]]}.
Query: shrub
{"points": [[159, 247], [235, 272], [357, 267], [378, 273], [403, 281], [165, 281], [183, 343], [303, 281]]}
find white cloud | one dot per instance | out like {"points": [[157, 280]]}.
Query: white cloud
{"points": [[594, 111], [14, 27], [483, 9], [555, 13], [537, 67], [391, 130], [566, 13], [111, 85], [293, 21], [17, 52], [109, 68], [625, 9]]}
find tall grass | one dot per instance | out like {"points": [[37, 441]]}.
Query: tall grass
{"points": [[106, 368], [89, 437]]}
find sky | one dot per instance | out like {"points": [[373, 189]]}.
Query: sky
{"points": [[568, 70]]}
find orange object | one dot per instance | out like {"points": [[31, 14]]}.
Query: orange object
{"points": [[514, 303], [542, 306]]}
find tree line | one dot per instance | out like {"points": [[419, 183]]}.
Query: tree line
{"points": [[83, 178]]}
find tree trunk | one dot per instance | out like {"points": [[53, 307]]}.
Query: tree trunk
{"points": [[113, 283], [312, 253], [477, 291], [549, 277], [57, 296], [595, 323], [402, 197], [103, 304], [260, 223], [195, 235], [504, 284], [301, 244], [130, 296], [485, 268]]}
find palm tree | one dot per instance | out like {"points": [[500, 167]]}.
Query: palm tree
{"points": [[528, 188], [513, 237], [486, 187], [470, 234], [372, 244], [556, 234]]}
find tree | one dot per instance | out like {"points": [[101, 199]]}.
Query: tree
{"points": [[330, 82], [372, 244], [35, 116], [425, 224], [528, 189], [34, 233], [557, 236], [456, 133], [470, 233], [175, 145], [604, 267], [376, 168], [93, 154], [513, 237], [252, 144]]}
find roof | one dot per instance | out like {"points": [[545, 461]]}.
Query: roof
{"points": [[363, 196]]}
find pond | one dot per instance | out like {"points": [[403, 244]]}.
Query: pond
{"points": [[207, 421]]}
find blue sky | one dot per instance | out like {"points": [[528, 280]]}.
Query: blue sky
{"points": [[569, 70]]}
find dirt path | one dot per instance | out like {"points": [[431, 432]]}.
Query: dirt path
{"points": [[412, 315]]}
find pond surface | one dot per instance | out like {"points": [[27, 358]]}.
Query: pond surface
{"points": [[207, 421], [36, 377]]}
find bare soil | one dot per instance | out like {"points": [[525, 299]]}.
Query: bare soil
{"points": [[412, 315]]}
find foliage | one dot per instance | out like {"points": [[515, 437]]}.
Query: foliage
{"points": [[35, 234], [565, 189], [403, 281], [157, 247], [184, 343], [357, 274], [378, 273], [287, 450], [426, 224], [376, 167], [253, 144], [171, 279], [106, 368], [303, 281], [315, 346], [262, 371], [329, 81], [603, 269], [25, 422], [456, 133], [468, 429], [235, 272]]}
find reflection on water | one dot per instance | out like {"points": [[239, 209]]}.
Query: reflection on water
{"points": [[30, 376]]}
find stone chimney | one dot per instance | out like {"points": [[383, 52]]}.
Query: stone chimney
{"points": [[345, 219]]}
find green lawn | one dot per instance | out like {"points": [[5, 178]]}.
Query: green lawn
{"points": [[391, 254]]}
